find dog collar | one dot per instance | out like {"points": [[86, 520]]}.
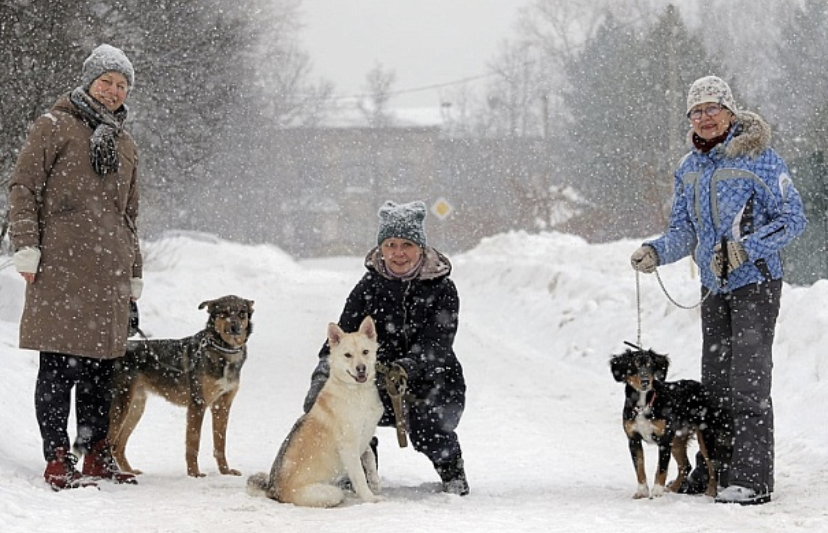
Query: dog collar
{"points": [[649, 405], [223, 349]]}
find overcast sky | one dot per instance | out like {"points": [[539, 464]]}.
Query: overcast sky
{"points": [[426, 42]]}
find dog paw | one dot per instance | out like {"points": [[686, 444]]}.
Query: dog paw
{"points": [[658, 491], [642, 492], [196, 474], [230, 472]]}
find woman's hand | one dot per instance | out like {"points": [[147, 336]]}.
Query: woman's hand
{"points": [[28, 276]]}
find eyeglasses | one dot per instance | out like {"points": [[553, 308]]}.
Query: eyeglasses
{"points": [[711, 111]]}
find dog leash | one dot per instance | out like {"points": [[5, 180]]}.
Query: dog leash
{"points": [[396, 390], [666, 293], [185, 368]]}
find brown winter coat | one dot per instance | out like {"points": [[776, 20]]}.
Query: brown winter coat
{"points": [[84, 225]]}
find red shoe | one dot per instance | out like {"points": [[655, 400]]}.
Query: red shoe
{"points": [[60, 472], [98, 463]]}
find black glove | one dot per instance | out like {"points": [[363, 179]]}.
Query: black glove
{"points": [[133, 319]]}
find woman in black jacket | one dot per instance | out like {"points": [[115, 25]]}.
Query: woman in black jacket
{"points": [[414, 303]]}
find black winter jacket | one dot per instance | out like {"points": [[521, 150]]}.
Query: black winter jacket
{"points": [[416, 322]]}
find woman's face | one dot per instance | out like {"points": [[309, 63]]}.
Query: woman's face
{"points": [[400, 255], [110, 89], [709, 120]]}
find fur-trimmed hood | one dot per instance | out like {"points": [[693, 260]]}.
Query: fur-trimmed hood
{"points": [[750, 136]]}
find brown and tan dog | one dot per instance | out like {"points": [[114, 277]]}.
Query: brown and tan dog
{"points": [[195, 372]]}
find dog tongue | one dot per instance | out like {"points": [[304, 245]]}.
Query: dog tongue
{"points": [[361, 377]]}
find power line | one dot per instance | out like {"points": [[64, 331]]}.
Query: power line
{"points": [[422, 88], [630, 23]]}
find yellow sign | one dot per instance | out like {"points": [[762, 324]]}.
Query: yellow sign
{"points": [[442, 209]]}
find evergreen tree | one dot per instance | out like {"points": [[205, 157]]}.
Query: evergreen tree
{"points": [[626, 129], [806, 258], [205, 89], [800, 87], [40, 58]]}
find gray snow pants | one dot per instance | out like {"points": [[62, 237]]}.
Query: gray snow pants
{"points": [[737, 363]]}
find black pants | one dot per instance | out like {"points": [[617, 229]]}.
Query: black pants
{"points": [[431, 421], [737, 364], [92, 381]]}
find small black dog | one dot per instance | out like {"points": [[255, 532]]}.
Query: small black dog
{"points": [[664, 413]]}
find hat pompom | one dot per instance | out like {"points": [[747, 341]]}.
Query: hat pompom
{"points": [[402, 221]]}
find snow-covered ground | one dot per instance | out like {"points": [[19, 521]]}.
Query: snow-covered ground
{"points": [[542, 438]]}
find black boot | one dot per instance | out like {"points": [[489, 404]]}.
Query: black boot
{"points": [[374, 444], [453, 476], [696, 482]]}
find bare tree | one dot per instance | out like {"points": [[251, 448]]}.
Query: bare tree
{"points": [[378, 86]]}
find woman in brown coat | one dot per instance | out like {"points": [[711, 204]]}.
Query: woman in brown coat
{"points": [[73, 207]]}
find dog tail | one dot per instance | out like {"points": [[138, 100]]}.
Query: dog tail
{"points": [[258, 484]]}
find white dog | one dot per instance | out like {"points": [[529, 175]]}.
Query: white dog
{"points": [[332, 440]]}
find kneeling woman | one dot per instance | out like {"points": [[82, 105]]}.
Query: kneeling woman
{"points": [[408, 293]]}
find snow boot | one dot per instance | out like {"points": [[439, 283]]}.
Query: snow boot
{"points": [[60, 472], [742, 496], [696, 481], [453, 476], [98, 463]]}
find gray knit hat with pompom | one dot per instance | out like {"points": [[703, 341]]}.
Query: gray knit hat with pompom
{"points": [[106, 58], [403, 221]]}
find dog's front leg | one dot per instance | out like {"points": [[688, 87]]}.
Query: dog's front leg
{"points": [[221, 413], [637, 454], [353, 467], [369, 465], [664, 451], [195, 418]]}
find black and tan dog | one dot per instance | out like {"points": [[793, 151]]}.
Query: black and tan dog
{"points": [[197, 372], [667, 414]]}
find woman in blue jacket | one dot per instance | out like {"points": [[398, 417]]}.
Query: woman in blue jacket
{"points": [[734, 209]]}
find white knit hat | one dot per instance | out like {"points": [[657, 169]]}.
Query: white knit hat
{"points": [[106, 58], [710, 89]]}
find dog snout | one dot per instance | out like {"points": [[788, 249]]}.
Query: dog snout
{"points": [[361, 373]]}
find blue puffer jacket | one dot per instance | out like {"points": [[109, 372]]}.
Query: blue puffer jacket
{"points": [[741, 190]]}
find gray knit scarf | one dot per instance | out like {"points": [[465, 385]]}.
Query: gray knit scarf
{"points": [[103, 154]]}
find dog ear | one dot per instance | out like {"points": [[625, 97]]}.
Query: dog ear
{"points": [[202, 305], [368, 328], [249, 307], [620, 366], [335, 334], [661, 365]]}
